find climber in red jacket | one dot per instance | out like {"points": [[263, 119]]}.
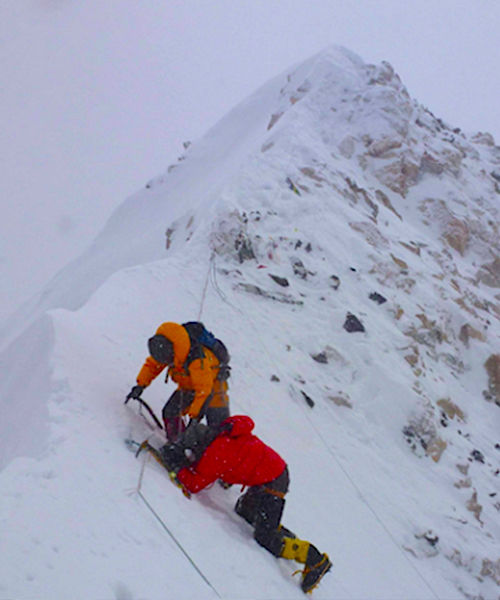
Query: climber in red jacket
{"points": [[231, 453]]}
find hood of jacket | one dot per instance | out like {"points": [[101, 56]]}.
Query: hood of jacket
{"points": [[179, 337], [240, 425]]}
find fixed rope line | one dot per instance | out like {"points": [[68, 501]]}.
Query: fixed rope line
{"points": [[204, 293], [164, 526], [218, 289], [211, 267], [212, 278], [215, 283], [212, 274], [344, 471], [178, 544], [365, 501], [141, 474]]}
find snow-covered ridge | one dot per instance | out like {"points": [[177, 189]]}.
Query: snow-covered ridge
{"points": [[328, 193]]}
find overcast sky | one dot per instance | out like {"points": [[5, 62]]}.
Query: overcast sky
{"points": [[97, 96]]}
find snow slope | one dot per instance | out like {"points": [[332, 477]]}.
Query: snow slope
{"points": [[332, 180]]}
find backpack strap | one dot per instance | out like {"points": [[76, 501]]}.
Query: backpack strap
{"points": [[196, 351], [201, 338]]}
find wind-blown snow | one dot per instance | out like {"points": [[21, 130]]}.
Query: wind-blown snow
{"points": [[394, 469]]}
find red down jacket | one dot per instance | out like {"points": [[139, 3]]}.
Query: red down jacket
{"points": [[235, 457]]}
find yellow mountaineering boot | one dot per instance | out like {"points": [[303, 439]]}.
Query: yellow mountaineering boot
{"points": [[313, 573], [316, 564]]}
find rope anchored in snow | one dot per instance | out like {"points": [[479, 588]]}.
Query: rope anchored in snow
{"points": [[344, 470], [138, 491], [178, 544]]}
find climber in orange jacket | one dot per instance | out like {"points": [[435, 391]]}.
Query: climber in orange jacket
{"points": [[199, 372]]}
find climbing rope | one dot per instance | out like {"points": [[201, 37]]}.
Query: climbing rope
{"points": [[178, 544], [211, 271], [204, 293], [371, 509], [138, 491], [337, 461], [212, 277]]}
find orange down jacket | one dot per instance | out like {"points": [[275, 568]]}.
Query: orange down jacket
{"points": [[200, 376]]}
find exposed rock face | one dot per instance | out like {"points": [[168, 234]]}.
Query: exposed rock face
{"points": [[231, 238], [401, 174], [384, 199], [436, 448], [422, 436], [467, 332], [371, 233], [489, 273], [341, 399], [474, 506], [382, 147], [492, 366], [450, 409], [455, 231], [353, 324], [484, 138], [491, 569], [457, 234], [430, 163], [274, 119]]}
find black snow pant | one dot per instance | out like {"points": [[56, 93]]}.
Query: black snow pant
{"points": [[262, 506], [178, 402]]}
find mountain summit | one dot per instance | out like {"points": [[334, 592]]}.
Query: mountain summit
{"points": [[343, 242]]}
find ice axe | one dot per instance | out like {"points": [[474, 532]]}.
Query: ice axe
{"points": [[149, 409]]}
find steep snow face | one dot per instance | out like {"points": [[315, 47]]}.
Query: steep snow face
{"points": [[343, 242]]}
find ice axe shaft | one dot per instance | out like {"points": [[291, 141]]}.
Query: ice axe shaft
{"points": [[149, 409]]}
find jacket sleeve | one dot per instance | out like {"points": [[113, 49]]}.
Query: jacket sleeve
{"points": [[193, 480], [209, 468], [150, 370], [202, 378]]}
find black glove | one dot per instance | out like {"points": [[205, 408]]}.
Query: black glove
{"points": [[173, 456], [135, 393]]}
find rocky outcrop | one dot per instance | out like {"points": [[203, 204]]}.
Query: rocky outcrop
{"points": [[455, 231], [467, 332], [231, 237], [492, 366], [382, 148], [457, 234], [450, 409], [422, 436], [371, 234], [489, 273], [400, 174]]}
